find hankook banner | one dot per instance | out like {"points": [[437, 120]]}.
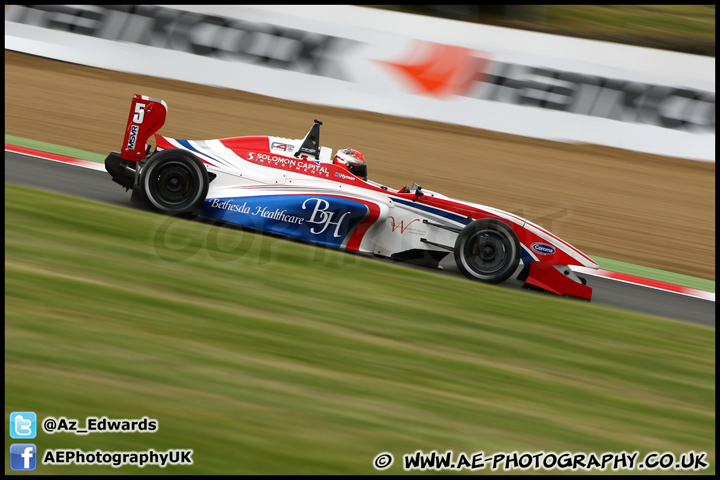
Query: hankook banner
{"points": [[512, 81]]}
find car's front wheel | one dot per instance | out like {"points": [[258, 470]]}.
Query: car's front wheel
{"points": [[174, 181], [487, 250]]}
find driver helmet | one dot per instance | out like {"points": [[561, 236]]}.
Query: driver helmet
{"points": [[353, 161]]}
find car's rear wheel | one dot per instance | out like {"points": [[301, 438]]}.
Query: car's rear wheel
{"points": [[174, 181], [487, 250]]}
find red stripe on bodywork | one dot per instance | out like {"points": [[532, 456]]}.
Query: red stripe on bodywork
{"points": [[359, 233], [163, 143], [247, 144]]}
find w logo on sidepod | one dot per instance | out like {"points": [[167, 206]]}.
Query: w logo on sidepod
{"points": [[441, 70], [402, 226]]}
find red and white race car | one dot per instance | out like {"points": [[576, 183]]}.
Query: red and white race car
{"points": [[297, 188]]}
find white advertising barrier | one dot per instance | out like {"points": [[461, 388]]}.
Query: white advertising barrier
{"points": [[511, 81]]}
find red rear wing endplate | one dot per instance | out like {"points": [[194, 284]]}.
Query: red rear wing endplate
{"points": [[146, 117]]}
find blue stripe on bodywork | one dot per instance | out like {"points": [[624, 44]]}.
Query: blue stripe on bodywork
{"points": [[186, 144], [525, 255], [451, 216]]}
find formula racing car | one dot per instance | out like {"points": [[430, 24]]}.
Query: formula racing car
{"points": [[296, 188]]}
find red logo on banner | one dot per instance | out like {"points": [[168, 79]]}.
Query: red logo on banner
{"points": [[439, 70]]}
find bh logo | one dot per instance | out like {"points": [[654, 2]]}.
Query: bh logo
{"points": [[321, 216], [23, 456]]}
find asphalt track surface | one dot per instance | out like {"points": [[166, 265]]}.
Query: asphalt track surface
{"points": [[96, 185]]}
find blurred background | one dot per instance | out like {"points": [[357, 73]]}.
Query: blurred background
{"points": [[679, 28]]}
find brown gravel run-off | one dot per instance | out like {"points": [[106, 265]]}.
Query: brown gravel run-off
{"points": [[638, 208]]}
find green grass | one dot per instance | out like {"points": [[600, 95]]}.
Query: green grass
{"points": [[683, 28], [56, 149], [648, 20], [589, 20], [267, 356]]}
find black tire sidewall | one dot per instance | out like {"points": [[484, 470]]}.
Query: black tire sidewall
{"points": [[509, 239], [174, 157]]}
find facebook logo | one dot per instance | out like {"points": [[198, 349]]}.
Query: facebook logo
{"points": [[23, 425], [23, 456]]}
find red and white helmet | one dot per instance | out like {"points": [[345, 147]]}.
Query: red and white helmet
{"points": [[353, 161]]}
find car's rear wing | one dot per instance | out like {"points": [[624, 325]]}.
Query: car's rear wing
{"points": [[147, 115]]}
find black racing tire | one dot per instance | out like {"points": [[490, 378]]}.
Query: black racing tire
{"points": [[174, 181], [487, 250]]}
